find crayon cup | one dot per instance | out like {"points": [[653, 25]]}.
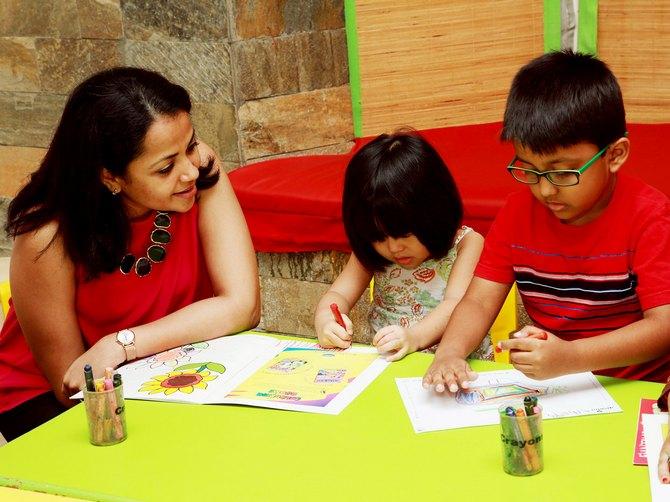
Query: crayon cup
{"points": [[522, 439], [106, 416]]}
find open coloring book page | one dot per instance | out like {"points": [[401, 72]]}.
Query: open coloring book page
{"points": [[256, 370], [566, 396]]}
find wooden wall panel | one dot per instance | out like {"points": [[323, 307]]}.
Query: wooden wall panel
{"points": [[433, 63], [634, 39]]}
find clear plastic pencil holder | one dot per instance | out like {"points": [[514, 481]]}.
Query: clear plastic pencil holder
{"points": [[522, 440], [106, 415]]}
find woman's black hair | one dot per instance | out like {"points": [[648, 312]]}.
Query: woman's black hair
{"points": [[398, 185], [103, 125], [563, 98]]}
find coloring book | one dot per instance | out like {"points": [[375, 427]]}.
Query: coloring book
{"points": [[256, 370], [566, 396]]}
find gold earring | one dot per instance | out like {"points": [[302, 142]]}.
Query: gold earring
{"points": [[116, 191]]}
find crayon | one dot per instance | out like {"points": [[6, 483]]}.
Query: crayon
{"points": [[117, 380], [88, 378], [527, 436], [337, 315]]}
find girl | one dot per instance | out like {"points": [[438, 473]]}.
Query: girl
{"points": [[128, 241], [402, 214]]}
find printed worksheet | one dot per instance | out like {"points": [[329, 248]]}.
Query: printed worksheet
{"points": [[566, 396]]}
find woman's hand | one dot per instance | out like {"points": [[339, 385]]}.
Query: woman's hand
{"points": [[395, 342], [106, 353]]}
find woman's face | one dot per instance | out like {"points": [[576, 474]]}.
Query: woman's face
{"points": [[163, 176]]}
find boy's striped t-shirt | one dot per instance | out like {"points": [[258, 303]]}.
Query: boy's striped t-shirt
{"points": [[582, 281]]}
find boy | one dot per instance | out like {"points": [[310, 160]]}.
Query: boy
{"points": [[588, 248]]}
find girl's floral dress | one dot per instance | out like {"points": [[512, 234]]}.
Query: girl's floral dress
{"points": [[404, 297]]}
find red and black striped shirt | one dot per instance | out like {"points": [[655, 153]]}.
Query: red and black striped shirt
{"points": [[586, 280]]}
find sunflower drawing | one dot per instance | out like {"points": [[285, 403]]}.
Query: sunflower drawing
{"points": [[184, 380]]}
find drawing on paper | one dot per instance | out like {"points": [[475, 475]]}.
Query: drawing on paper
{"points": [[288, 365], [495, 392], [184, 379], [173, 357]]}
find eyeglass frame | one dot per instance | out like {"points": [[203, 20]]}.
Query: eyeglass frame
{"points": [[545, 174]]}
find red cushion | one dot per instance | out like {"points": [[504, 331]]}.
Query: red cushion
{"points": [[293, 204]]}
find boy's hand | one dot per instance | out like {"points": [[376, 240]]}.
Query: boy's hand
{"points": [[448, 374], [334, 335], [537, 353], [394, 341]]}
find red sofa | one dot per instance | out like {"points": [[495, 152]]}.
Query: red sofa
{"points": [[294, 204]]}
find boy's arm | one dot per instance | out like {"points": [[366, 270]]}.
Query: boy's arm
{"points": [[635, 343], [470, 321]]}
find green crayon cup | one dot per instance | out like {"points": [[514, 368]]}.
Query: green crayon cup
{"points": [[106, 416], [522, 439]]}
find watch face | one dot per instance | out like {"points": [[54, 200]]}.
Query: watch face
{"points": [[125, 336]]}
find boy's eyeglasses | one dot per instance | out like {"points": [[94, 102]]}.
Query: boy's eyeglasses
{"points": [[558, 177]]}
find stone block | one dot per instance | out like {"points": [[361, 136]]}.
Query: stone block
{"points": [[295, 122], [313, 15], [316, 64], [271, 18], [5, 242], [266, 67], [203, 68], [39, 18], [318, 266], [29, 119], [18, 65], [254, 18], [100, 19], [338, 43], [176, 19], [288, 307], [64, 63], [16, 164], [337, 149], [215, 124]]}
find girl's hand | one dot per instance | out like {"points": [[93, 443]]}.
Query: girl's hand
{"points": [[394, 341], [663, 459], [537, 353], [106, 353], [333, 335]]}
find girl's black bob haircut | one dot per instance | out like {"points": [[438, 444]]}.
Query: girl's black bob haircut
{"points": [[398, 185], [561, 99]]}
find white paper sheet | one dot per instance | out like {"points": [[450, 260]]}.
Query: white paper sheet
{"points": [[566, 396], [654, 434]]}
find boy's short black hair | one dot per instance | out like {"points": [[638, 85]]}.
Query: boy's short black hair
{"points": [[563, 98], [398, 185]]}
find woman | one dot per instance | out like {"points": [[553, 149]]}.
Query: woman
{"points": [[128, 241]]}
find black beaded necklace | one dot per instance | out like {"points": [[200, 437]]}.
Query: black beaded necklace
{"points": [[156, 251]]}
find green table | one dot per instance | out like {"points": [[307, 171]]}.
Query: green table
{"points": [[368, 452]]}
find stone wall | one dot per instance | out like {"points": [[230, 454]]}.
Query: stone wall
{"points": [[267, 78]]}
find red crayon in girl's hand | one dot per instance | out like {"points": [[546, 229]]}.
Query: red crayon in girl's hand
{"points": [[338, 316]]}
